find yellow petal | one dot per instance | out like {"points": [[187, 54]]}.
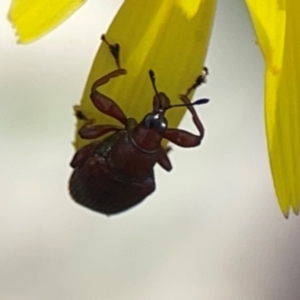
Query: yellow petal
{"points": [[170, 37], [34, 18], [278, 32]]}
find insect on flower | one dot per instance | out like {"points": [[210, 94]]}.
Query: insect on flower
{"points": [[116, 173]]}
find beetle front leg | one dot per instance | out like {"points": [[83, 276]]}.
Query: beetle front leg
{"points": [[108, 106], [163, 159], [82, 155], [107, 77], [181, 137], [202, 78], [196, 120], [89, 132], [185, 99], [115, 51], [184, 138], [103, 103]]}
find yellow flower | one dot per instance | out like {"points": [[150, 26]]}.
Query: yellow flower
{"points": [[171, 37], [34, 18], [278, 33]]}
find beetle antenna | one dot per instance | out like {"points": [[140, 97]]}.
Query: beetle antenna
{"points": [[197, 102], [152, 78]]}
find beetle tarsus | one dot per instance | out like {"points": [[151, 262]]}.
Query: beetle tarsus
{"points": [[114, 50], [79, 113], [202, 78]]}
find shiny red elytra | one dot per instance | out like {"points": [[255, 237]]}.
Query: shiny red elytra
{"points": [[116, 173]]}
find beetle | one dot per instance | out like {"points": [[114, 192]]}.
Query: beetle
{"points": [[116, 173]]}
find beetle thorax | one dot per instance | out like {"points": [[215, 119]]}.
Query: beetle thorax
{"points": [[128, 162]]}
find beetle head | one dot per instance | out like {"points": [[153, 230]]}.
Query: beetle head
{"points": [[147, 135], [156, 121]]}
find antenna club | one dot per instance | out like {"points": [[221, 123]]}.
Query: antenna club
{"points": [[151, 74], [200, 101]]}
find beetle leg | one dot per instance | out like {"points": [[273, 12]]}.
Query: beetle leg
{"points": [[108, 106], [103, 103], [79, 113], [95, 131], [114, 50], [107, 77], [163, 159], [182, 138], [196, 120], [202, 78], [82, 155], [185, 99]]}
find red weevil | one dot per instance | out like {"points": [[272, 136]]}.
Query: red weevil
{"points": [[116, 173]]}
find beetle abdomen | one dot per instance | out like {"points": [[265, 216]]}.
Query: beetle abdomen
{"points": [[93, 185]]}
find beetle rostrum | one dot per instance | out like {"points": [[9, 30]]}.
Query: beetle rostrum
{"points": [[116, 173]]}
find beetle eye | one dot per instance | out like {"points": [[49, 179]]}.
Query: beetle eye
{"points": [[156, 121]]}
